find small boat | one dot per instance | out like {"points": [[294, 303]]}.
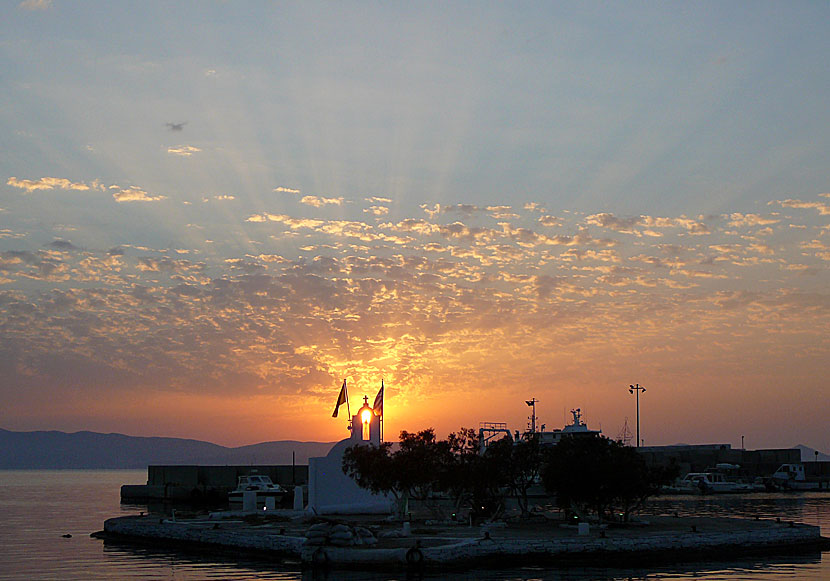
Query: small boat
{"points": [[706, 483], [259, 483], [733, 474], [792, 477]]}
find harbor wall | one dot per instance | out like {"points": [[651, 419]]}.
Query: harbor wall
{"points": [[224, 476], [194, 483]]}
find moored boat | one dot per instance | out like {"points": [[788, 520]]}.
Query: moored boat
{"points": [[792, 477], [259, 483], [706, 483]]}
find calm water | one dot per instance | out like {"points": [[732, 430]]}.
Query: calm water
{"points": [[38, 507]]}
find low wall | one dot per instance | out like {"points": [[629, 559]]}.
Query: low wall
{"points": [[205, 533], [475, 552]]}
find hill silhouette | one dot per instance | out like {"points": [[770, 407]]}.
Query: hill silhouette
{"points": [[87, 450]]}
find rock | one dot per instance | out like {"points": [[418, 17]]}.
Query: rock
{"points": [[341, 537], [364, 536]]}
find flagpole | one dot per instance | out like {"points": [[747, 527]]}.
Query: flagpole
{"points": [[381, 413], [348, 409]]}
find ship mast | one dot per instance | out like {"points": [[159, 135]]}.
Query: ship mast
{"points": [[532, 403]]}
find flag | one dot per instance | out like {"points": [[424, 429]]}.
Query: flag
{"points": [[530, 403], [341, 399], [378, 405]]}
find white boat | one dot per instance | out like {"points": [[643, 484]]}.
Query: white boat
{"points": [[706, 483], [259, 483], [792, 477], [732, 473]]}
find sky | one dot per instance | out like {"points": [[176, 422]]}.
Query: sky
{"points": [[212, 213]]}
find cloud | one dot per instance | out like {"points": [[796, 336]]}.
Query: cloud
{"points": [[35, 5], [497, 212], [501, 212], [224, 197], [431, 212], [823, 209], [319, 202], [417, 226], [293, 223], [412, 299], [47, 184], [135, 195], [376, 210], [378, 200], [167, 264], [629, 225], [761, 249], [548, 220], [286, 190], [736, 220], [623, 225], [183, 150], [822, 249], [62, 245], [346, 228], [6, 233]]}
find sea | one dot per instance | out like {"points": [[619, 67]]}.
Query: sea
{"points": [[46, 518]]}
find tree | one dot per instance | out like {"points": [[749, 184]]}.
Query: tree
{"points": [[595, 474], [635, 481], [518, 463], [421, 463], [473, 479], [373, 468], [416, 470]]}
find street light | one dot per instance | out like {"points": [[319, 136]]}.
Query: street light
{"points": [[632, 389]]}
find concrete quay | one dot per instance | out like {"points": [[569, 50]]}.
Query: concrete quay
{"points": [[441, 546]]}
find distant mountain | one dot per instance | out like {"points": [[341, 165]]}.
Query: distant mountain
{"points": [[60, 450], [809, 454]]}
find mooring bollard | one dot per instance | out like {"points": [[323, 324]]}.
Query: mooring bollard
{"points": [[270, 503], [249, 500]]}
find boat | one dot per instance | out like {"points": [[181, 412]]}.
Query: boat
{"points": [[259, 483], [489, 431], [792, 477], [706, 483], [733, 474]]}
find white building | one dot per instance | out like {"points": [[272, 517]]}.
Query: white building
{"points": [[330, 491]]}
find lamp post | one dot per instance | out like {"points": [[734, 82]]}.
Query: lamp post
{"points": [[632, 389]]}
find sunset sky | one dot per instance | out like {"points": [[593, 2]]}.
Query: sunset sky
{"points": [[211, 213]]}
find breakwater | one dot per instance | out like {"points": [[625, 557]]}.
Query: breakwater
{"points": [[456, 546]]}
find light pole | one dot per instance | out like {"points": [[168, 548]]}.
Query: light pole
{"points": [[632, 389]]}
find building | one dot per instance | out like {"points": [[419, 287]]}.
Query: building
{"points": [[330, 490]]}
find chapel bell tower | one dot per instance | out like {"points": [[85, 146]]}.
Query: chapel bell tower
{"points": [[366, 425]]}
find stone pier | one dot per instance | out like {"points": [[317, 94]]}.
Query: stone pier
{"points": [[461, 546]]}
